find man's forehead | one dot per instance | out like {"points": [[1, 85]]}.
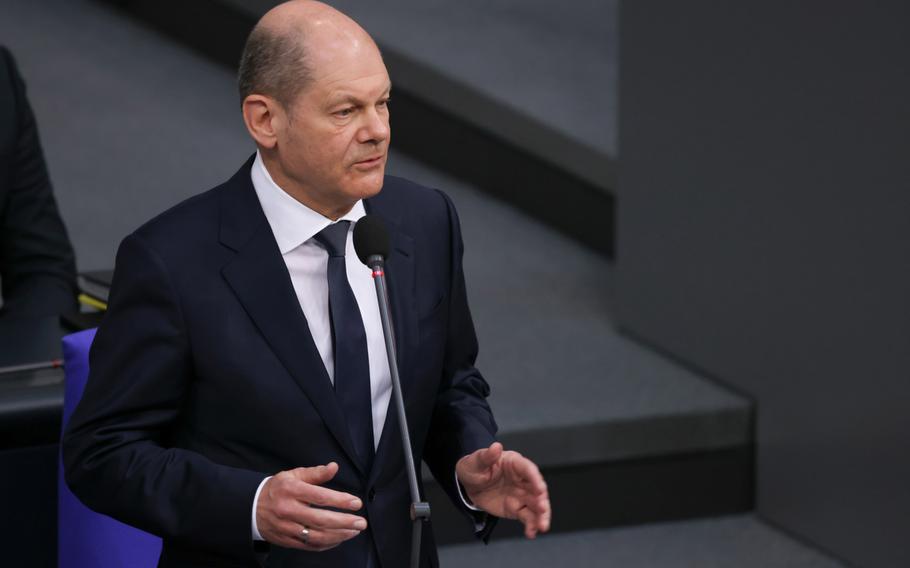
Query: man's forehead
{"points": [[332, 56]]}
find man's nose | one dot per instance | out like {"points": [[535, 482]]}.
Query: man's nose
{"points": [[376, 127]]}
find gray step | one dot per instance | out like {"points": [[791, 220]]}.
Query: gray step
{"points": [[741, 541]]}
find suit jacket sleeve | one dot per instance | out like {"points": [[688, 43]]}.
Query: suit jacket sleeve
{"points": [[119, 454], [37, 264], [462, 419]]}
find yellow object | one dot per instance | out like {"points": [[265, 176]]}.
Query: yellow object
{"points": [[89, 301]]}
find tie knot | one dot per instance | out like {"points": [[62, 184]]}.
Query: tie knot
{"points": [[334, 237]]}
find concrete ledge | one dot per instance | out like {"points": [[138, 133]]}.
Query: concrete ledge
{"points": [[626, 492], [647, 436], [743, 541]]}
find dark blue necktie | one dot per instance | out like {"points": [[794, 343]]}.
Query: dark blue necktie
{"points": [[349, 341]]}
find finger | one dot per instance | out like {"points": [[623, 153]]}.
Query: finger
{"points": [[525, 470], [316, 539], [544, 513], [533, 498], [488, 456], [481, 466], [479, 477], [520, 501], [316, 475], [325, 497], [529, 520], [539, 503], [512, 504], [527, 474], [320, 539], [287, 534], [288, 541], [290, 509], [323, 519]]}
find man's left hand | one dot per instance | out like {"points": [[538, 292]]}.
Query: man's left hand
{"points": [[508, 485]]}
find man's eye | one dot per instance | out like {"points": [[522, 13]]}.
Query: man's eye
{"points": [[384, 103], [344, 113]]}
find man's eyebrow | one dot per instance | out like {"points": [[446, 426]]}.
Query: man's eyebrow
{"points": [[351, 99]]}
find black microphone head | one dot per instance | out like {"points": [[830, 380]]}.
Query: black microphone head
{"points": [[370, 238]]}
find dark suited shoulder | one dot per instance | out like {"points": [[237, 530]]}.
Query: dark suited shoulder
{"points": [[428, 216], [198, 214], [187, 225], [190, 231], [417, 203]]}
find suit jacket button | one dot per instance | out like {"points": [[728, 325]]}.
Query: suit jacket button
{"points": [[371, 494]]}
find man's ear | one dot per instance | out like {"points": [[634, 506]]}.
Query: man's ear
{"points": [[261, 115]]}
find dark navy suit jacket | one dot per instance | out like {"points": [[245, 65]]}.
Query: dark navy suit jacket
{"points": [[205, 379], [37, 265]]}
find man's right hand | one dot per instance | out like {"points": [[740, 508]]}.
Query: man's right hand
{"points": [[290, 501]]}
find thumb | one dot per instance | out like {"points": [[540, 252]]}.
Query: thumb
{"points": [[487, 457], [316, 475]]}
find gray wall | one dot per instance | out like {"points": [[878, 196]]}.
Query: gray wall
{"points": [[764, 236]]}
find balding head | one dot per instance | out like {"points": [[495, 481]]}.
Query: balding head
{"points": [[315, 96], [293, 44]]}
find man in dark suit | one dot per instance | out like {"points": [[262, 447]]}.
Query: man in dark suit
{"points": [[37, 266], [243, 339]]}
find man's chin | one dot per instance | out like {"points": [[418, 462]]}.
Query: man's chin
{"points": [[369, 185]]}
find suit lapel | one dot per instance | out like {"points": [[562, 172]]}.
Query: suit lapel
{"points": [[259, 278]]}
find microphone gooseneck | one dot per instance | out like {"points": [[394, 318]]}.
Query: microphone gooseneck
{"points": [[371, 242]]}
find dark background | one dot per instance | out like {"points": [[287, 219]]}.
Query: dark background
{"points": [[763, 212]]}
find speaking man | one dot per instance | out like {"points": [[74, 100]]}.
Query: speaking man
{"points": [[238, 400]]}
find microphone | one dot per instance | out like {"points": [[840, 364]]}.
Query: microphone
{"points": [[371, 243]]}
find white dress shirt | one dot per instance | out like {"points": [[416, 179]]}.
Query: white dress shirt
{"points": [[294, 225]]}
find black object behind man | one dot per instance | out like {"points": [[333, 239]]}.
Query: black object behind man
{"points": [[37, 265]]}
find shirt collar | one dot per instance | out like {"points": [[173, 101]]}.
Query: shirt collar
{"points": [[292, 222]]}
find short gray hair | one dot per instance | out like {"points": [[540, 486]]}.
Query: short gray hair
{"points": [[274, 63]]}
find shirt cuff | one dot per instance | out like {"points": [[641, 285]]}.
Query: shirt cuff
{"points": [[461, 494], [480, 522], [256, 535]]}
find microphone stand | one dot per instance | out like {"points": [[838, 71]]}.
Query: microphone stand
{"points": [[420, 510]]}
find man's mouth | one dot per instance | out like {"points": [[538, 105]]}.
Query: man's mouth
{"points": [[371, 161]]}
